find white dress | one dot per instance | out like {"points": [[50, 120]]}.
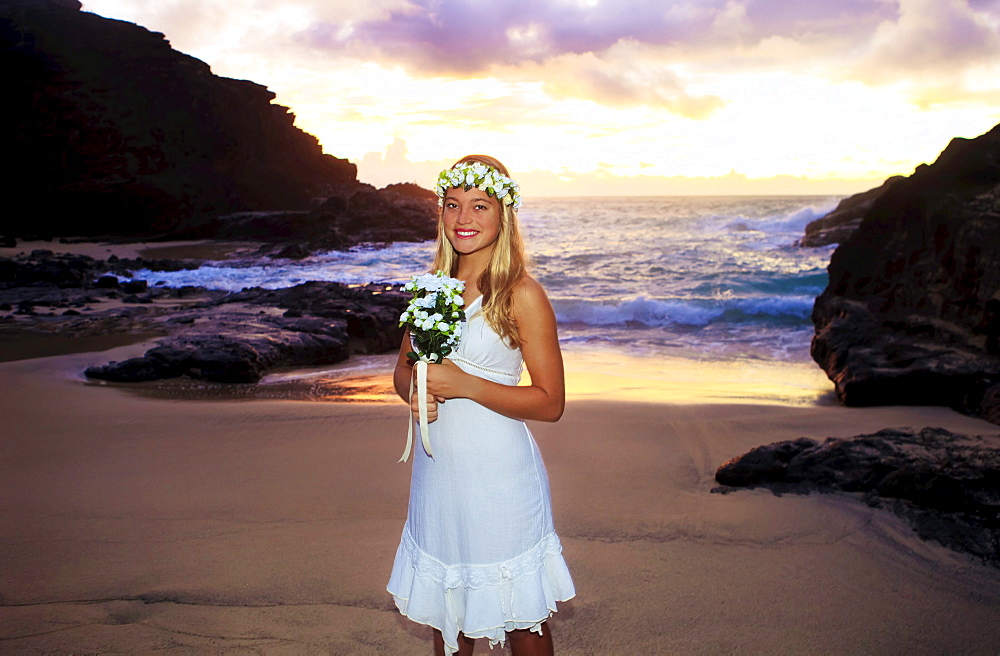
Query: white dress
{"points": [[479, 554]]}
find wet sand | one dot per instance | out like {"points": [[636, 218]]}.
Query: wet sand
{"points": [[135, 523]]}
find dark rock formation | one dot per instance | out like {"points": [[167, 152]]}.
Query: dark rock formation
{"points": [[945, 484], [839, 224], [43, 268], [410, 190], [235, 348], [911, 314], [210, 335], [237, 342], [350, 215], [111, 132]]}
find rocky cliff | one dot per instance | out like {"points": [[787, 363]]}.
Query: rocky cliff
{"points": [[114, 133], [911, 314], [838, 225]]}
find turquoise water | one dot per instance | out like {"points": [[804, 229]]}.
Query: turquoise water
{"points": [[701, 277]]}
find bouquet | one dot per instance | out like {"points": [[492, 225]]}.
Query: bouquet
{"points": [[434, 317]]}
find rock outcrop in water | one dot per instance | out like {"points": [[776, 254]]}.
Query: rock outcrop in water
{"points": [[351, 214], [237, 339], [208, 335], [112, 133], [911, 314], [838, 225], [945, 484]]}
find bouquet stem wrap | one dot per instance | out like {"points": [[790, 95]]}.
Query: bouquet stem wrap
{"points": [[425, 435], [434, 318]]}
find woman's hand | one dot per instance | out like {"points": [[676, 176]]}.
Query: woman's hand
{"points": [[443, 382], [447, 381], [432, 405]]}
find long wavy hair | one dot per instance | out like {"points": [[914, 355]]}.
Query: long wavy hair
{"points": [[507, 264]]}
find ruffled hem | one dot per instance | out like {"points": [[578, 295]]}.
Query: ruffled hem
{"points": [[480, 601]]}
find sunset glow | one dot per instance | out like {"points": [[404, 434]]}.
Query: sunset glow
{"points": [[702, 96]]}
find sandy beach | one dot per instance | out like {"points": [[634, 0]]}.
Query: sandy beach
{"points": [[135, 524], [728, 204]]}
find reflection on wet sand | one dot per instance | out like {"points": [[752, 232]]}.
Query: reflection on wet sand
{"points": [[590, 375], [357, 389]]}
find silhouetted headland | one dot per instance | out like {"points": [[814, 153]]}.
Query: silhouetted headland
{"points": [[911, 314], [114, 134], [839, 224], [118, 137]]}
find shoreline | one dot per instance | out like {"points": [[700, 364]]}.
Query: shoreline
{"points": [[136, 524], [593, 371], [199, 249], [591, 374]]}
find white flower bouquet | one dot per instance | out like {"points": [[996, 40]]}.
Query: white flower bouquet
{"points": [[434, 318], [434, 315]]}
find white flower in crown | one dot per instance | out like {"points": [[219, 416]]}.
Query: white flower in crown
{"points": [[481, 177]]}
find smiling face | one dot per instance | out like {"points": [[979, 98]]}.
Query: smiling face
{"points": [[471, 220]]}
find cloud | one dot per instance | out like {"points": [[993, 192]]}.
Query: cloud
{"points": [[618, 53], [576, 50], [466, 37], [933, 39], [627, 74], [642, 52], [183, 21], [393, 165]]}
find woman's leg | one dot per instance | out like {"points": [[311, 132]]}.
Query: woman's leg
{"points": [[526, 642], [465, 645]]}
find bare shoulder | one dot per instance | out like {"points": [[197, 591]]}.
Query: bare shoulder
{"points": [[529, 293], [532, 309]]}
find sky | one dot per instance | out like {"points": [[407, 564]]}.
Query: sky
{"points": [[612, 97]]}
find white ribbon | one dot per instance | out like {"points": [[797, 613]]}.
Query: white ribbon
{"points": [[425, 436]]}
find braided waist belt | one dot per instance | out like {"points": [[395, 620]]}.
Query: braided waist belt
{"points": [[469, 363]]}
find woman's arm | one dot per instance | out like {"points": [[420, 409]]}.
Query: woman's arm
{"points": [[401, 377], [545, 398], [403, 372]]}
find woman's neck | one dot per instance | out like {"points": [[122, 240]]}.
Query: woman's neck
{"points": [[470, 269], [471, 266]]}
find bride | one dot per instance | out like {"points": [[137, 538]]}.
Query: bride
{"points": [[479, 556]]}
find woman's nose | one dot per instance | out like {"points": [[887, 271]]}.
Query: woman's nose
{"points": [[464, 215]]}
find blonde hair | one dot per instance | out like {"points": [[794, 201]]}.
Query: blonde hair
{"points": [[508, 263]]}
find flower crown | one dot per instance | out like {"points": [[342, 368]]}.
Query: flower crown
{"points": [[482, 177]]}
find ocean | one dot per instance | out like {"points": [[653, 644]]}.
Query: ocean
{"points": [[699, 278]]}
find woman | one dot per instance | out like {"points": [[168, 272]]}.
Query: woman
{"points": [[479, 557]]}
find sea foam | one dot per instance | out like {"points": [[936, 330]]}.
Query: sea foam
{"points": [[707, 271]]}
